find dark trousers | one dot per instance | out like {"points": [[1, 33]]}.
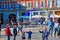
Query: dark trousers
{"points": [[51, 31], [55, 31], [14, 37], [8, 37], [44, 38]]}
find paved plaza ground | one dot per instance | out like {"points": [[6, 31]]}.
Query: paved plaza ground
{"points": [[35, 36]]}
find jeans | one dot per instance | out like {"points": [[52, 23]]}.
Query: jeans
{"points": [[19, 29], [44, 38], [29, 38], [51, 31], [55, 31], [8, 37]]}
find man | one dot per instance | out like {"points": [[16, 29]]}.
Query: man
{"points": [[0, 29], [45, 33], [51, 27], [15, 32]]}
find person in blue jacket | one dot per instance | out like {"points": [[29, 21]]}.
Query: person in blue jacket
{"points": [[45, 33], [51, 27], [15, 32], [29, 34]]}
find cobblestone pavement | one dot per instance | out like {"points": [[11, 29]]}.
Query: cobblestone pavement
{"points": [[35, 36]]}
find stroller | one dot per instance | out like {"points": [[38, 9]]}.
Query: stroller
{"points": [[58, 34]]}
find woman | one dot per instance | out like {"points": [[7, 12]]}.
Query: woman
{"points": [[19, 26], [56, 28], [8, 32]]}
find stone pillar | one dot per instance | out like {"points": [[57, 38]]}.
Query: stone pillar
{"points": [[53, 15], [30, 16], [17, 16]]}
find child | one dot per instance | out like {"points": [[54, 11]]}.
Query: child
{"points": [[45, 34], [29, 34], [23, 35], [15, 32], [19, 27], [8, 32]]}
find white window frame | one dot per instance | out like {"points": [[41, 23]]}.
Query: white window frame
{"points": [[50, 4], [43, 3], [5, 5], [36, 4], [30, 4], [33, 13], [10, 6], [23, 3], [58, 3]]}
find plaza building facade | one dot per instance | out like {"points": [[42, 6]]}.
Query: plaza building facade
{"points": [[40, 8], [10, 11], [27, 9]]}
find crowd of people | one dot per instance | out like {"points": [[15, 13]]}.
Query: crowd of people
{"points": [[15, 31], [53, 30]]}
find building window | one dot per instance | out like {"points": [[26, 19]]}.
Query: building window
{"points": [[5, 6], [1, 7], [42, 13], [50, 3], [35, 4], [0, 0], [11, 6], [23, 4], [17, 6], [42, 4], [35, 13], [57, 3], [29, 4]]}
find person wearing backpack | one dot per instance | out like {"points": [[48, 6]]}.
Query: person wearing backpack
{"points": [[15, 32]]}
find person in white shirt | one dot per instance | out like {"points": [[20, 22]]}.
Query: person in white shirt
{"points": [[20, 26], [56, 24]]}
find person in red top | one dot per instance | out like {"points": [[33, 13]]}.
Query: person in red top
{"points": [[8, 32]]}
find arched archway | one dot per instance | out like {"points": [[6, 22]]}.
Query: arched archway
{"points": [[12, 17]]}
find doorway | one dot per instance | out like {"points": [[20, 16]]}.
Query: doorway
{"points": [[12, 17]]}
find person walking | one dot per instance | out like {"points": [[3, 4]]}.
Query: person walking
{"points": [[29, 34], [20, 27], [23, 35], [45, 33], [15, 32], [8, 32], [56, 28], [51, 27], [0, 29]]}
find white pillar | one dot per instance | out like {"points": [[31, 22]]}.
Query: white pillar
{"points": [[30, 16], [53, 15], [17, 16]]}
